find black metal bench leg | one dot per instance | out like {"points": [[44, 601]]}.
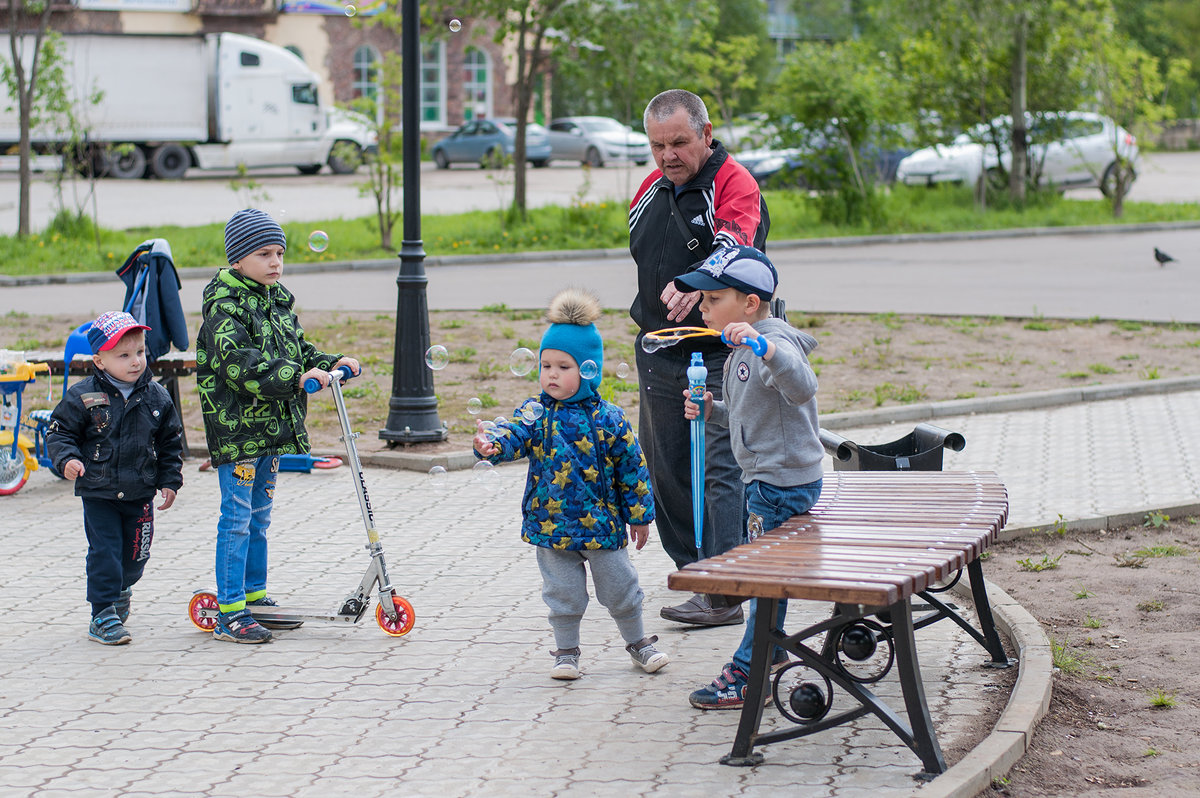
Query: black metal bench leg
{"points": [[983, 609], [925, 742], [756, 693]]}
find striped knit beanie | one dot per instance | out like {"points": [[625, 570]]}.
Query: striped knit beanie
{"points": [[250, 230]]}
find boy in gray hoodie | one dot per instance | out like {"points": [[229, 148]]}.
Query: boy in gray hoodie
{"points": [[770, 408]]}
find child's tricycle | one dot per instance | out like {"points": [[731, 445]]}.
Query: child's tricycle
{"points": [[19, 455]]}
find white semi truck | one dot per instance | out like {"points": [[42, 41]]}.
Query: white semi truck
{"points": [[212, 101]]}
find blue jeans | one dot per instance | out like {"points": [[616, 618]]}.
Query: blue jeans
{"points": [[247, 492], [769, 507]]}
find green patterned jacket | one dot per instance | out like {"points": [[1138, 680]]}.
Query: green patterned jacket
{"points": [[250, 354]]}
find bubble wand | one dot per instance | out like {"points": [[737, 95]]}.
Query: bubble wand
{"points": [[659, 339]]}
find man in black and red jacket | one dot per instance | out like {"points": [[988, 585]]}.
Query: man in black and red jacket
{"points": [[697, 201]]}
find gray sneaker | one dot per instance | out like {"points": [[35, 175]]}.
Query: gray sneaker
{"points": [[646, 656], [106, 628], [566, 664]]}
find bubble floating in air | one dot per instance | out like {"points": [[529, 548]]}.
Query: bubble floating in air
{"points": [[438, 477], [436, 357], [520, 362], [351, 11], [485, 474], [474, 405], [588, 369], [455, 26], [622, 371], [318, 241], [532, 411], [651, 345]]}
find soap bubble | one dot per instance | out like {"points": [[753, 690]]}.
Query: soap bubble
{"points": [[532, 411], [436, 357], [485, 474], [318, 241], [438, 477], [651, 345], [622, 371], [474, 405], [588, 369], [520, 362], [488, 428], [455, 26], [500, 421], [351, 11]]}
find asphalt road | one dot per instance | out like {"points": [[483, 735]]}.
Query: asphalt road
{"points": [[206, 197], [1109, 275]]}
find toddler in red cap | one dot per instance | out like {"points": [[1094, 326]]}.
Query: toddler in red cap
{"points": [[117, 436]]}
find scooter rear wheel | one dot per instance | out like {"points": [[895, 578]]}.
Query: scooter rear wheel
{"points": [[403, 623], [202, 600]]}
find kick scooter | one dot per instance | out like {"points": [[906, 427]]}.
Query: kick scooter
{"points": [[394, 614]]}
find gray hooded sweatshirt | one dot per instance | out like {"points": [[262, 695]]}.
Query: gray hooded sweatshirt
{"points": [[770, 409]]}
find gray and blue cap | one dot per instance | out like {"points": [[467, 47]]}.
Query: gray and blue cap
{"points": [[744, 268]]}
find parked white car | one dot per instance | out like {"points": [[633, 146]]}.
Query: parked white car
{"points": [[596, 140], [1080, 153]]}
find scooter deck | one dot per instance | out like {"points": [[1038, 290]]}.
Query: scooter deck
{"points": [[288, 614]]}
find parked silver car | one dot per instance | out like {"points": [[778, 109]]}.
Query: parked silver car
{"points": [[1076, 149], [596, 140]]}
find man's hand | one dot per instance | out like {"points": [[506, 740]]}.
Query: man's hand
{"points": [[168, 495], [678, 303], [73, 469]]}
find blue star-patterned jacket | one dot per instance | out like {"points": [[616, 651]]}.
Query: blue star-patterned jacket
{"points": [[587, 474]]}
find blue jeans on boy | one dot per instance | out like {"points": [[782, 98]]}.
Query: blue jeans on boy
{"points": [[770, 506], [247, 492]]}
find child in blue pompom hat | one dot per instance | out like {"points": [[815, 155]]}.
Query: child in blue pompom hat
{"points": [[587, 481]]}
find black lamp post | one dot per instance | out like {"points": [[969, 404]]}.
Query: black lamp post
{"points": [[412, 410]]}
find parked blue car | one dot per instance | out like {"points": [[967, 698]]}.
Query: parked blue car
{"points": [[487, 141]]}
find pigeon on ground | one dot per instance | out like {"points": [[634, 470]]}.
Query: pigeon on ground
{"points": [[1162, 257]]}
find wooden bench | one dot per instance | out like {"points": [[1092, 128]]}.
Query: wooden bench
{"points": [[874, 541], [168, 369]]}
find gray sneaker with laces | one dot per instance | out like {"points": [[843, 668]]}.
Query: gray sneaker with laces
{"points": [[566, 664], [646, 656]]}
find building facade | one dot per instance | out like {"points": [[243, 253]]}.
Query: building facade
{"points": [[463, 75]]}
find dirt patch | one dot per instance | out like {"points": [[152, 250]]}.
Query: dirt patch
{"points": [[1121, 609], [863, 361]]}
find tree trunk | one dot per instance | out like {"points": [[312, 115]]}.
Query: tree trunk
{"points": [[1020, 140]]}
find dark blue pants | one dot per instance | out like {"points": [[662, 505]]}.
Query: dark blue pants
{"points": [[119, 534], [665, 436]]}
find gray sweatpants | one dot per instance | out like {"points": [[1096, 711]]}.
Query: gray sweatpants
{"points": [[564, 589]]}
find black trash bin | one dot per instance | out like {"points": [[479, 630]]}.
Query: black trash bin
{"points": [[920, 450]]}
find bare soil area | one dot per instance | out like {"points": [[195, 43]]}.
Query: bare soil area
{"points": [[1121, 609], [1122, 606]]}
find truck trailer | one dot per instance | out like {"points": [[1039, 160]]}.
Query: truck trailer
{"points": [[211, 101]]}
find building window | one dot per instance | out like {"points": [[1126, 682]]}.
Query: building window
{"points": [[476, 84], [366, 73], [433, 85]]}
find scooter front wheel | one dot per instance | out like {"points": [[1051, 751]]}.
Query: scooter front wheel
{"points": [[405, 619], [202, 600]]}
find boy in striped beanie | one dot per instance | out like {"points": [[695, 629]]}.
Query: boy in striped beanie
{"points": [[252, 360]]}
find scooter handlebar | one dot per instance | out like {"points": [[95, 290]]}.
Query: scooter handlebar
{"points": [[341, 374]]}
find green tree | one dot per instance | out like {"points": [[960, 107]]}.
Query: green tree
{"points": [[384, 169], [719, 70], [839, 99], [28, 22]]}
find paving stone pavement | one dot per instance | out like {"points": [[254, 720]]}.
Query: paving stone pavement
{"points": [[462, 705]]}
